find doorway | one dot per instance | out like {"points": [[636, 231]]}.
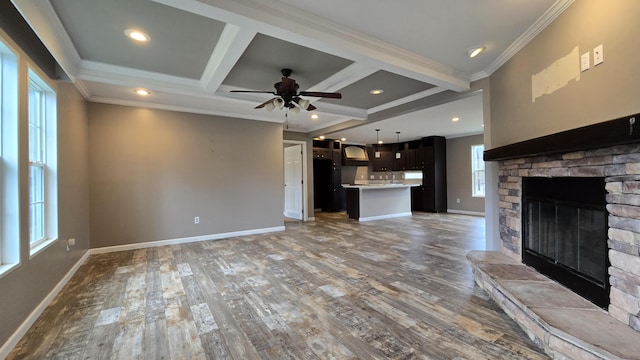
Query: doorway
{"points": [[295, 173]]}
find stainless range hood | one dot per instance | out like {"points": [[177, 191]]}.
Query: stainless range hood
{"points": [[354, 155]]}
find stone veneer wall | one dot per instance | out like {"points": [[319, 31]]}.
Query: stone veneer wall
{"points": [[620, 165]]}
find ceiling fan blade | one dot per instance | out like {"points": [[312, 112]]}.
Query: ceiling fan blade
{"points": [[263, 104], [253, 91], [321, 94]]}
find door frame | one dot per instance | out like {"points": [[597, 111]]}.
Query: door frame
{"points": [[305, 177]]}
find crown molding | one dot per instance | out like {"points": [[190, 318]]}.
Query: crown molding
{"points": [[547, 18]]}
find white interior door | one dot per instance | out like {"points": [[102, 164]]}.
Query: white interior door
{"points": [[293, 181]]}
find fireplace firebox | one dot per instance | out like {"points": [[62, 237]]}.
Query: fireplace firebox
{"points": [[565, 232]]}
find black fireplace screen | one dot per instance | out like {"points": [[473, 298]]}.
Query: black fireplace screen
{"points": [[565, 233]]}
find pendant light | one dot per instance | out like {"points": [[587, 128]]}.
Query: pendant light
{"points": [[398, 153], [376, 154]]}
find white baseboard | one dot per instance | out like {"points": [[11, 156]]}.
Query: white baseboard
{"points": [[380, 217], [464, 212], [293, 215], [149, 244], [26, 324]]}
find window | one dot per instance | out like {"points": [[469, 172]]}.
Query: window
{"points": [[43, 212], [9, 222], [477, 170]]}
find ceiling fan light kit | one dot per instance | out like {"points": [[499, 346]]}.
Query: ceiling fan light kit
{"points": [[287, 95]]}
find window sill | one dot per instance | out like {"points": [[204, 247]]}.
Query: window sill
{"points": [[40, 247], [7, 268]]}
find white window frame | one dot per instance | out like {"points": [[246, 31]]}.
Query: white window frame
{"points": [[9, 177], [43, 190], [477, 171]]}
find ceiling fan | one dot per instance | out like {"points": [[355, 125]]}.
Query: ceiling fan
{"points": [[287, 95]]}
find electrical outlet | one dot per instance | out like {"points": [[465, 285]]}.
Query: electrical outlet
{"points": [[196, 220], [458, 200], [71, 242]]}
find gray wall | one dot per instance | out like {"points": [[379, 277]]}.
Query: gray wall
{"points": [[604, 92], [153, 171], [25, 287], [459, 175]]}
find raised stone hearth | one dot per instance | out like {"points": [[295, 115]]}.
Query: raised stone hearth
{"points": [[563, 324]]}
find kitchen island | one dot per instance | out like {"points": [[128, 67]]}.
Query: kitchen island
{"points": [[379, 201]]}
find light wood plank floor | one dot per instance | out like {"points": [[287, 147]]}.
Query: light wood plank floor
{"points": [[330, 289]]}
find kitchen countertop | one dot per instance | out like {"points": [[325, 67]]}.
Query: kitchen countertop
{"points": [[377, 186]]}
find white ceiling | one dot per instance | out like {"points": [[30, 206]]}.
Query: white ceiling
{"points": [[201, 49]]}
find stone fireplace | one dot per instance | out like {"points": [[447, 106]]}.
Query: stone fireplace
{"points": [[619, 165], [596, 237]]}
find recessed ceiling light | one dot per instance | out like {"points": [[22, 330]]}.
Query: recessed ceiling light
{"points": [[137, 35], [380, 141], [475, 51], [343, 139], [376, 91], [321, 137], [314, 116], [455, 119], [142, 92]]}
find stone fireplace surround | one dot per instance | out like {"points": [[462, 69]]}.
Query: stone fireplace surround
{"points": [[620, 165], [610, 150]]}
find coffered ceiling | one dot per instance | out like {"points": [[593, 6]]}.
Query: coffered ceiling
{"points": [[199, 50]]}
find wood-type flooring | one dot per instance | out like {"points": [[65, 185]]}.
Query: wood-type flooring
{"points": [[331, 289]]}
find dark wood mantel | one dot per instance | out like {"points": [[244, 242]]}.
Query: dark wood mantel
{"points": [[624, 130]]}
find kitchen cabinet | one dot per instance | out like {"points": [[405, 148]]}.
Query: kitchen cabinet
{"points": [[432, 157], [384, 162], [322, 153], [327, 175], [398, 157], [411, 159]]}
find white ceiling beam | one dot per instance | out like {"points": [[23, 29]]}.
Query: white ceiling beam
{"points": [[232, 43], [343, 78], [281, 21], [122, 76], [406, 99]]}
